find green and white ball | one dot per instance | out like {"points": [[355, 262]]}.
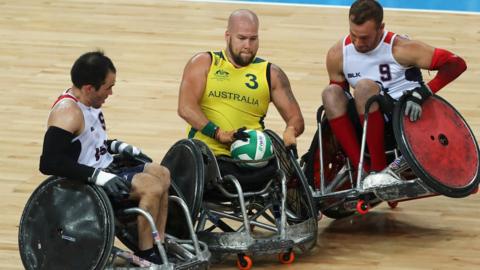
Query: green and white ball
{"points": [[257, 147]]}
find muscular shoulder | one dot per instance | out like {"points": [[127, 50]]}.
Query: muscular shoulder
{"points": [[198, 65], [402, 45], [335, 53], [334, 62], [411, 52], [278, 76], [203, 59], [67, 115]]}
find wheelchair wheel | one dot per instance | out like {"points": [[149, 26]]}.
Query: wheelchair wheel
{"points": [[189, 167], [281, 153], [299, 198], [185, 162], [66, 224], [439, 147]]}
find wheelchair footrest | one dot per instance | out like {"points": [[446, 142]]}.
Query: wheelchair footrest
{"points": [[234, 242], [403, 190], [303, 232], [135, 263], [270, 245]]}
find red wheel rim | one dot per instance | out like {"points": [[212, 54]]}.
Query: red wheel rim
{"points": [[282, 259], [362, 207], [246, 265], [440, 148]]}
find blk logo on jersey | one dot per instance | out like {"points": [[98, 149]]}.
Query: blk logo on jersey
{"points": [[354, 75]]}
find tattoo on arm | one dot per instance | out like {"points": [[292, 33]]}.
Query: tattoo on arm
{"points": [[285, 84]]}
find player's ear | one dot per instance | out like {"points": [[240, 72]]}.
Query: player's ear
{"points": [[88, 88], [227, 35], [382, 26]]}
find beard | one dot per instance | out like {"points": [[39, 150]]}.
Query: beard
{"points": [[363, 49], [237, 58]]}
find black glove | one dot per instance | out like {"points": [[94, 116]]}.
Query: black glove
{"points": [[240, 134], [415, 99], [144, 158], [114, 186], [119, 147]]}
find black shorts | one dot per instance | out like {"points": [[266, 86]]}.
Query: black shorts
{"points": [[127, 173]]}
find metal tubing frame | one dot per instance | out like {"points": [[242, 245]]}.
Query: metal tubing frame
{"points": [[320, 150], [241, 199], [283, 218], [251, 221], [246, 194], [156, 237], [193, 235], [370, 101]]}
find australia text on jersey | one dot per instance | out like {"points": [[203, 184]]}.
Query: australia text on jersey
{"points": [[233, 96]]}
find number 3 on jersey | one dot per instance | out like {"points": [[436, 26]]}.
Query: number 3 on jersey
{"points": [[252, 83]]}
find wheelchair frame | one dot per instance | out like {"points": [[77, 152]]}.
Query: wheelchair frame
{"points": [[266, 208], [68, 235], [338, 204]]}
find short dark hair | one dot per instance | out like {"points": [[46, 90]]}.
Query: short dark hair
{"points": [[365, 10], [91, 68]]}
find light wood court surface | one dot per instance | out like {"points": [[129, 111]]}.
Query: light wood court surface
{"points": [[150, 42]]}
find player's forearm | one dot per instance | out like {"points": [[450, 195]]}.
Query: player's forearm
{"points": [[56, 156], [64, 167], [194, 117], [449, 67], [297, 124]]}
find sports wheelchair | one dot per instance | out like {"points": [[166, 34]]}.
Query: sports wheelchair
{"points": [[436, 155], [273, 214], [67, 224]]}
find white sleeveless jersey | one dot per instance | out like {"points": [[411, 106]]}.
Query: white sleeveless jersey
{"points": [[379, 65], [93, 139]]}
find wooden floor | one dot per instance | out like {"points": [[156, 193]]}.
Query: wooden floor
{"points": [[150, 42]]}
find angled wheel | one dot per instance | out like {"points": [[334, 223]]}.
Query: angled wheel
{"points": [[439, 147], [299, 197], [66, 224], [299, 201]]}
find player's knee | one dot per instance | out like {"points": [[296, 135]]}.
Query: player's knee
{"points": [[164, 176], [160, 172], [161, 181], [333, 95], [366, 88], [157, 187], [147, 185]]}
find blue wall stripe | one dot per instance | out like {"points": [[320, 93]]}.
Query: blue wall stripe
{"points": [[455, 6]]}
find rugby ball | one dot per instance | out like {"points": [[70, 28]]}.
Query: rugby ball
{"points": [[257, 147]]}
